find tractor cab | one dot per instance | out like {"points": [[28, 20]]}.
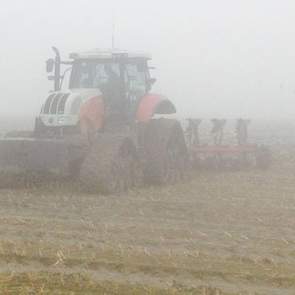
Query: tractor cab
{"points": [[98, 89], [113, 80], [122, 78], [129, 72]]}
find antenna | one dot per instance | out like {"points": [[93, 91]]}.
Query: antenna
{"points": [[113, 32]]}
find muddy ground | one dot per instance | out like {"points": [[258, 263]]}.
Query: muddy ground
{"points": [[221, 233]]}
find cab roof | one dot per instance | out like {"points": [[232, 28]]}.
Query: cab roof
{"points": [[108, 54]]}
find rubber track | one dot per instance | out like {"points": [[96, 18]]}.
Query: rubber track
{"points": [[97, 170], [157, 137]]}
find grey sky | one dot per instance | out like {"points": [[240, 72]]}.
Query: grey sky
{"points": [[225, 58]]}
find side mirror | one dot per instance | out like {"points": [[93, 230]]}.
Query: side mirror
{"points": [[152, 81], [50, 65]]}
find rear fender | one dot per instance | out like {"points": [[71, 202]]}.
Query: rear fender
{"points": [[152, 104]]}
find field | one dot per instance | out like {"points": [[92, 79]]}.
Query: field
{"points": [[221, 233]]}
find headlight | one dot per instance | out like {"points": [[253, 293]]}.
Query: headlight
{"points": [[61, 120]]}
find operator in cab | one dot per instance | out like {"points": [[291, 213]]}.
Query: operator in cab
{"points": [[112, 90]]}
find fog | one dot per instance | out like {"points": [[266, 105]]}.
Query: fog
{"points": [[213, 58]]}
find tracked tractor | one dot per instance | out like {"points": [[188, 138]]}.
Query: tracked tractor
{"points": [[100, 125]]}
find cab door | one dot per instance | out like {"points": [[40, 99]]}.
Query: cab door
{"points": [[135, 80]]}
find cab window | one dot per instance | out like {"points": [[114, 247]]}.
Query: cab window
{"points": [[92, 73], [136, 79]]}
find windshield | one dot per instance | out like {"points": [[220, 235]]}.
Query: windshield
{"points": [[93, 74]]}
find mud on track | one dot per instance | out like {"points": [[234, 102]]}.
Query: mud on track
{"points": [[222, 233]]}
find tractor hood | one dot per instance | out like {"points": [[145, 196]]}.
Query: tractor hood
{"points": [[62, 108]]}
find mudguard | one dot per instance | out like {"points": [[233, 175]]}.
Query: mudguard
{"points": [[92, 114], [152, 104]]}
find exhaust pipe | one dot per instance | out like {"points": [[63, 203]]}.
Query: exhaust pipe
{"points": [[57, 63], [54, 64]]}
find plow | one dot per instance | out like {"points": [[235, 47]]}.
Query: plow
{"points": [[217, 154], [104, 129]]}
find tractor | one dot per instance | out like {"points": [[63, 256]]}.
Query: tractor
{"points": [[102, 125]]}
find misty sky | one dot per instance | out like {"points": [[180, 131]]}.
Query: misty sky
{"points": [[226, 58]]}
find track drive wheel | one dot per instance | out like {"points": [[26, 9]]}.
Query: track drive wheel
{"points": [[111, 165], [166, 155]]}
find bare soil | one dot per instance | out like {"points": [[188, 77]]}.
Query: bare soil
{"points": [[224, 232], [221, 233]]}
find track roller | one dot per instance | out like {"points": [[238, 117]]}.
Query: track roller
{"points": [[111, 165], [166, 155]]}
